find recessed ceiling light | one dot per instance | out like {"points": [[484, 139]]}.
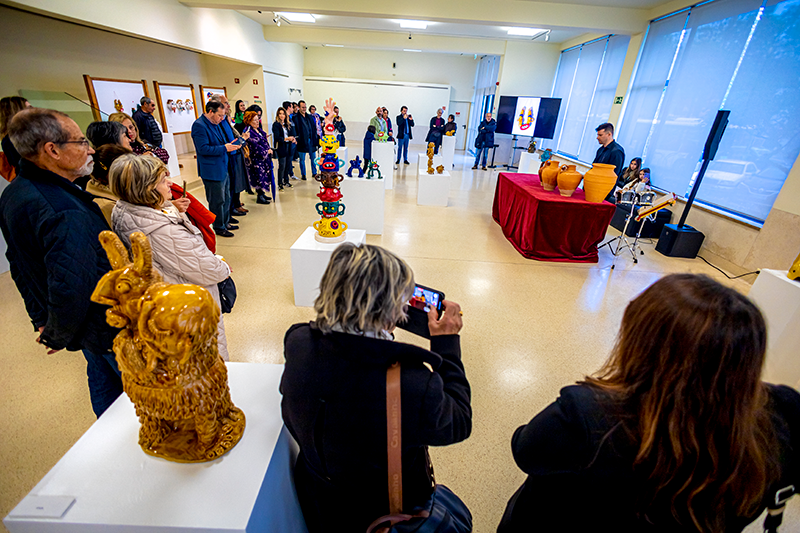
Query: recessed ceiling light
{"points": [[334, 45], [414, 24], [411, 50], [298, 17], [525, 32]]}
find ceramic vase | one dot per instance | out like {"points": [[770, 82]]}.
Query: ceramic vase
{"points": [[598, 182], [549, 175], [568, 180]]}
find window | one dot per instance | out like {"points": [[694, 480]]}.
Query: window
{"points": [[740, 55], [586, 82]]}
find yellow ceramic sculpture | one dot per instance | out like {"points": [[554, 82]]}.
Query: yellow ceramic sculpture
{"points": [[431, 148], [794, 272], [330, 229], [549, 175], [440, 169], [167, 353], [329, 144], [599, 181], [568, 180]]}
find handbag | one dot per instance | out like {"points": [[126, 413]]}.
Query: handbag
{"points": [[444, 512], [227, 294]]}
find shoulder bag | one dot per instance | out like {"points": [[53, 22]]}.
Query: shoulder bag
{"points": [[227, 294], [444, 512]]}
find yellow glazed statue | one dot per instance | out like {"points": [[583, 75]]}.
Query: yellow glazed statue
{"points": [[329, 144], [794, 271], [167, 353], [331, 229]]}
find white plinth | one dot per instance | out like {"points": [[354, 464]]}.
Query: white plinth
{"points": [[365, 200], [168, 143], [422, 162], [778, 297], [448, 151], [383, 153], [310, 259], [528, 163], [341, 153], [118, 488], [433, 189]]}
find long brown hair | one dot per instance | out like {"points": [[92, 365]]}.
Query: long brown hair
{"points": [[10, 106], [122, 117], [686, 368]]}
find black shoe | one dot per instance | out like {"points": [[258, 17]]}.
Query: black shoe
{"points": [[238, 212], [223, 233], [262, 199], [475, 167], [232, 226], [280, 188], [397, 162], [233, 221], [289, 185], [303, 178], [406, 163], [484, 168]]}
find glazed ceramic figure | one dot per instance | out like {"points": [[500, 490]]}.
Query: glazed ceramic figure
{"points": [[549, 175], [794, 271], [329, 195], [599, 181], [167, 353], [330, 228], [329, 144], [568, 180], [355, 164], [374, 171]]}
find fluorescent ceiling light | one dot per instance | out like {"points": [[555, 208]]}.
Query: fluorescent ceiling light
{"points": [[525, 32], [411, 50], [298, 17], [414, 24], [334, 45]]}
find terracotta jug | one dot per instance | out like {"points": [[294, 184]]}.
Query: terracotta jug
{"points": [[568, 180], [598, 182], [549, 175]]}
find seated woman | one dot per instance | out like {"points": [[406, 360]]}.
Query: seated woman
{"points": [[676, 432], [259, 164], [142, 185], [138, 146], [640, 183], [334, 390], [630, 173], [98, 186], [100, 133], [451, 125]]}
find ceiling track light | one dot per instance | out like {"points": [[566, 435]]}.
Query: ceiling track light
{"points": [[546, 34]]}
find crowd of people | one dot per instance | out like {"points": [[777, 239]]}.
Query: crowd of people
{"points": [[676, 432]]}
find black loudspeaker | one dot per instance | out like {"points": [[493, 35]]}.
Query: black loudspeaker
{"points": [[680, 241]]}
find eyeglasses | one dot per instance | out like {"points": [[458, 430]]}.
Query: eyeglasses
{"points": [[84, 142]]}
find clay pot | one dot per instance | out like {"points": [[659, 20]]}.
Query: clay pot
{"points": [[598, 182], [568, 180], [549, 175]]}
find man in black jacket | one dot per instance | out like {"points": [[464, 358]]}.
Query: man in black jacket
{"points": [[609, 153], [307, 140], [51, 227], [404, 123], [148, 127]]}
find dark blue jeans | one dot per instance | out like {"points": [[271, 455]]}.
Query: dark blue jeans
{"points": [[218, 195], [402, 147], [105, 383]]}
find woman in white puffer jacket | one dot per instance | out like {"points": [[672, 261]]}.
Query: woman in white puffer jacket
{"points": [[142, 185]]}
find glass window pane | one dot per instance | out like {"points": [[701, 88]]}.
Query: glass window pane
{"points": [[563, 85], [581, 97]]}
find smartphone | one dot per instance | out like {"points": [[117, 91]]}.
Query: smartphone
{"points": [[421, 302], [184, 189]]}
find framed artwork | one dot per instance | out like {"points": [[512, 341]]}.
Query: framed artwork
{"points": [[207, 92], [107, 95], [177, 106]]}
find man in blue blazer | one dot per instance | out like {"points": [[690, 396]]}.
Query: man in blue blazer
{"points": [[212, 149]]}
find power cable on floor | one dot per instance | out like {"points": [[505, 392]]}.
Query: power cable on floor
{"points": [[725, 273]]}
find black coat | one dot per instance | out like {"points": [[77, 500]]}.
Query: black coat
{"points": [[148, 128], [404, 126], [282, 147], [579, 462], [51, 227], [306, 129], [435, 132], [613, 154], [334, 404]]}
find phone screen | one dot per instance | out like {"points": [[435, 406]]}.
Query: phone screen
{"points": [[425, 299]]}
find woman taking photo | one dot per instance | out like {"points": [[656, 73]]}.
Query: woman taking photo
{"points": [[142, 185], [436, 131], [283, 135], [340, 126], [334, 391], [676, 432], [259, 164]]}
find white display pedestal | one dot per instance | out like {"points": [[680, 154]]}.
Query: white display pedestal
{"points": [[168, 143], [528, 163], [448, 151], [778, 297], [341, 153], [422, 162], [365, 200], [310, 259], [433, 189], [118, 488], [383, 154]]}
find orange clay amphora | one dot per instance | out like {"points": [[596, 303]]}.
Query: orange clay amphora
{"points": [[568, 180], [598, 182], [549, 175]]}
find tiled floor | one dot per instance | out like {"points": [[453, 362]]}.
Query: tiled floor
{"points": [[530, 328]]}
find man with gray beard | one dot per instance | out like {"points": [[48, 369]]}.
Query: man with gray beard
{"points": [[51, 227]]}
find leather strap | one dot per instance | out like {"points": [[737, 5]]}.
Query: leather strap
{"points": [[393, 439]]}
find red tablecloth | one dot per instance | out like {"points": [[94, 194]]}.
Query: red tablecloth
{"points": [[546, 226]]}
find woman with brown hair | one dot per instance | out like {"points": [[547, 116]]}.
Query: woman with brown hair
{"points": [[676, 432], [259, 159], [138, 146], [10, 106]]}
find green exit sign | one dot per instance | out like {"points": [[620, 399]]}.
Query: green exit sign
{"points": [[618, 100]]}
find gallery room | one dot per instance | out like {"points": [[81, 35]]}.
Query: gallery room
{"points": [[268, 267]]}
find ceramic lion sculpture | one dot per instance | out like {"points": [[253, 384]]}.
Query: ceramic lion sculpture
{"points": [[167, 353]]}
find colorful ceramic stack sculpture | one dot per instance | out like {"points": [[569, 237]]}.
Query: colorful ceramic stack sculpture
{"points": [[329, 228], [167, 353], [431, 147]]}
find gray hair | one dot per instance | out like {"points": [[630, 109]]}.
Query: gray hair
{"points": [[134, 179], [31, 129], [215, 98], [145, 100], [364, 289]]}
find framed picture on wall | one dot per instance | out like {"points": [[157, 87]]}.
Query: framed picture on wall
{"points": [[177, 106], [107, 95], [207, 92]]}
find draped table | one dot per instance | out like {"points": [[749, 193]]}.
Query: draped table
{"points": [[546, 226]]}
